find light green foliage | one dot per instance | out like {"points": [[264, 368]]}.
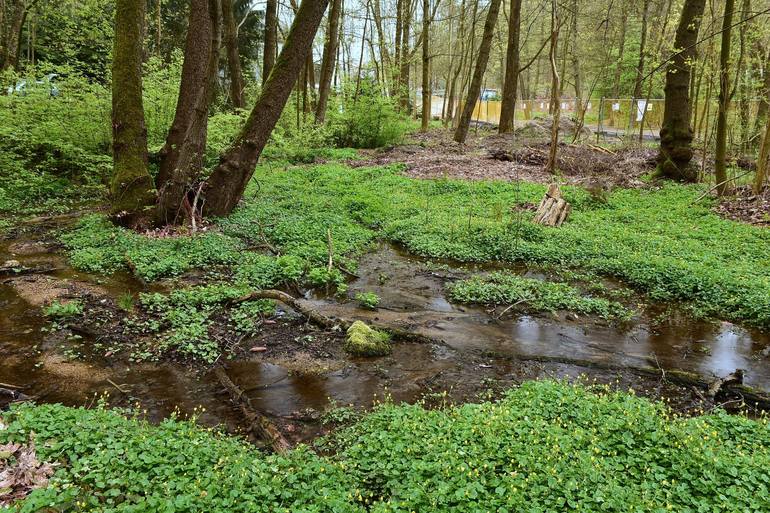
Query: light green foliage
{"points": [[369, 121], [96, 245], [63, 310], [545, 447], [245, 317], [503, 288], [120, 465], [362, 340], [368, 300], [549, 447]]}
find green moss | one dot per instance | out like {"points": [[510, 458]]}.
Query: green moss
{"points": [[362, 340]]}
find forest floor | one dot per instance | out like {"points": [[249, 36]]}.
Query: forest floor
{"points": [[645, 288]]}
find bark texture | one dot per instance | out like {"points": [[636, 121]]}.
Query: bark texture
{"points": [[328, 62], [426, 90], [271, 39], [512, 64], [233, 57], [474, 88], [131, 189], [228, 180], [720, 157], [676, 134]]}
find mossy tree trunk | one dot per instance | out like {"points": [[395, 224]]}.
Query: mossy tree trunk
{"points": [[512, 64], [426, 91], [233, 57], [720, 157], [474, 89], [132, 191], [271, 38], [183, 161], [676, 134], [328, 61], [229, 179]]}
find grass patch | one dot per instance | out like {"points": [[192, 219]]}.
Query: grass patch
{"points": [[503, 288], [544, 447]]}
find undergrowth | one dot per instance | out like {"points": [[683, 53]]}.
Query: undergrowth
{"points": [[501, 288], [544, 447]]}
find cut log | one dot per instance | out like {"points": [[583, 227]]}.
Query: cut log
{"points": [[258, 425], [553, 209]]}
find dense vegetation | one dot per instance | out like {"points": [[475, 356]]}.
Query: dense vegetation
{"points": [[546, 446], [659, 241]]}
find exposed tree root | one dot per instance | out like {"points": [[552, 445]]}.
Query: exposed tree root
{"points": [[258, 425]]}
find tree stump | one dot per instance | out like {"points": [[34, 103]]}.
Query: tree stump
{"points": [[553, 209]]}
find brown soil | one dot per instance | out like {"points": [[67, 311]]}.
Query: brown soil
{"points": [[744, 205], [488, 156]]}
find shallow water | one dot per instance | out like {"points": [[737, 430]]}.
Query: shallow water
{"points": [[477, 348]]}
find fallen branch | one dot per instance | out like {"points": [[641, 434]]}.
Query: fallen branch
{"points": [[258, 425], [719, 185], [324, 321]]}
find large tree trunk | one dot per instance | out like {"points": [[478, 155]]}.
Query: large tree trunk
{"points": [[512, 64], [327, 64], [674, 159], [183, 161], [764, 96], [271, 39], [233, 58], [12, 43], [229, 179], [474, 89], [131, 188], [720, 158], [191, 87], [426, 91]]}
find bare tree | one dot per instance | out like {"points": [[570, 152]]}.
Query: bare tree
{"points": [[474, 89], [720, 157], [512, 64], [327, 64]]}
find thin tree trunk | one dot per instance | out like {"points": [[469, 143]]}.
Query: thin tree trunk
{"points": [[131, 189], [474, 89], [229, 179], [233, 58], [762, 160], [642, 50], [720, 157], [361, 54], [576, 63], [271, 39], [382, 43], [555, 79], [764, 96], [328, 62], [621, 48], [460, 63], [426, 90], [674, 159], [403, 74], [512, 64]]}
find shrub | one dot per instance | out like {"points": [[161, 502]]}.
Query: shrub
{"points": [[368, 300], [369, 121]]}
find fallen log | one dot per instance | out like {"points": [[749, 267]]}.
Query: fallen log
{"points": [[258, 425], [327, 322], [553, 209]]}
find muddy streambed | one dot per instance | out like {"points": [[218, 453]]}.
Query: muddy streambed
{"points": [[476, 353]]}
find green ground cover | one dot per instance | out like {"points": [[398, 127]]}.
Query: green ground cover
{"points": [[544, 447], [658, 241]]}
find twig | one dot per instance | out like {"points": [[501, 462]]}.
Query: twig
{"points": [[7, 385], [118, 387], [719, 185]]}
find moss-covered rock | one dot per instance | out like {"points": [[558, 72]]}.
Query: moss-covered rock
{"points": [[363, 340]]}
